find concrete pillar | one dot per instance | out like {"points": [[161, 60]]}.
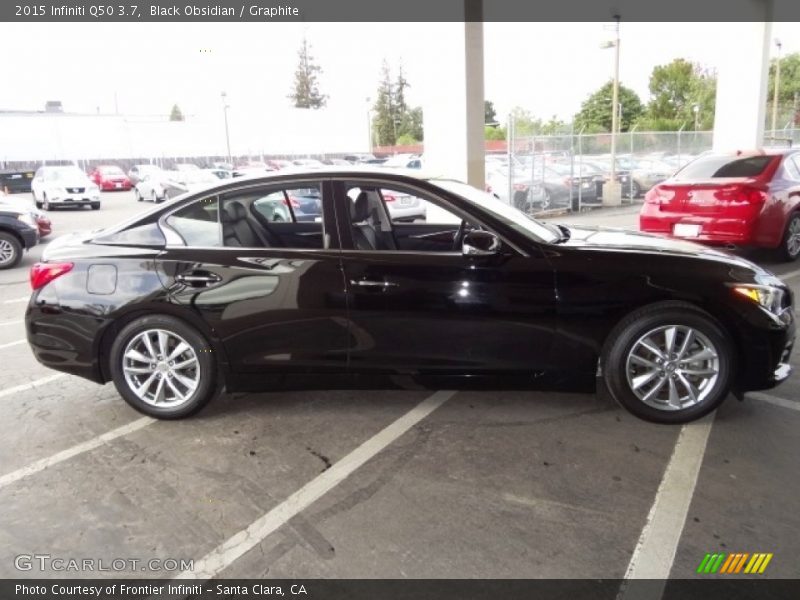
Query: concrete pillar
{"points": [[742, 82], [453, 109]]}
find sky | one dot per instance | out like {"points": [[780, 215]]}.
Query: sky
{"points": [[145, 68]]}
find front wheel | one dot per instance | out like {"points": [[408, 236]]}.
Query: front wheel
{"points": [[45, 202], [137, 195], [163, 367], [668, 363], [790, 246], [95, 206]]}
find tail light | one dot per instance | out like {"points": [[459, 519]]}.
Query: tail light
{"points": [[658, 195], [389, 198], [520, 187], [44, 273], [741, 193], [294, 201], [488, 189]]}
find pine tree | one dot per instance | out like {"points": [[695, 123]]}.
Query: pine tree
{"points": [[383, 122], [306, 92], [176, 114]]}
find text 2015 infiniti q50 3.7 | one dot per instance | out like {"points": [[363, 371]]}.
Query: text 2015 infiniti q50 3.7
{"points": [[207, 292]]}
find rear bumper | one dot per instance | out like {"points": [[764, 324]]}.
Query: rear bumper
{"points": [[713, 229]]}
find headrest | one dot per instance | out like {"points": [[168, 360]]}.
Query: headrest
{"points": [[235, 211], [360, 210]]}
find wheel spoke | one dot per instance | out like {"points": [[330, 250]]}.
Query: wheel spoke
{"points": [[175, 390], [140, 391], [709, 372], [643, 361], [689, 387], [644, 379], [162, 343], [674, 397], [137, 356], [149, 345], [138, 370], [189, 384], [669, 339], [647, 343], [185, 364], [655, 390], [704, 354], [179, 349], [159, 390], [687, 343]]}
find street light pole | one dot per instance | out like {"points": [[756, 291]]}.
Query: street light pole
{"points": [[227, 134], [614, 191], [776, 89]]}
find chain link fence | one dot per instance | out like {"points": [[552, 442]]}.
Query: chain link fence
{"points": [[571, 171]]}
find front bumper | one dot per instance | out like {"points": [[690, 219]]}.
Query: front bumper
{"points": [[74, 199], [30, 237]]}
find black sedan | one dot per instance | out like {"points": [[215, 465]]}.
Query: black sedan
{"points": [[207, 292]]}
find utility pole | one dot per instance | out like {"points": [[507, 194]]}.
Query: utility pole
{"points": [[613, 192], [776, 89]]}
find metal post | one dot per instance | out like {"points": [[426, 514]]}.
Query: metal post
{"points": [[679, 144], [776, 89], [227, 134], [533, 170], [630, 176], [510, 155], [615, 102], [580, 165]]}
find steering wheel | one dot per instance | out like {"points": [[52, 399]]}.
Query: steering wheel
{"points": [[458, 236]]}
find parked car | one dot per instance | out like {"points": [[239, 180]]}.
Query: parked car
{"points": [[279, 163], [308, 163], [55, 186], [524, 197], [252, 168], [185, 167], [19, 232], [336, 162], [15, 180], [161, 306], [644, 175], [152, 185], [742, 198], [110, 177], [43, 222], [137, 172], [359, 158], [219, 173]]}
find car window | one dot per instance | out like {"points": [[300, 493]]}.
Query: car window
{"points": [[292, 205], [713, 166], [790, 168], [198, 223]]}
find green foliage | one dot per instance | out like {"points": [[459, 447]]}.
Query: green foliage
{"points": [[676, 89], [393, 119], [494, 133], [489, 113], [305, 93], [525, 124], [596, 109], [790, 78], [406, 139], [176, 114]]}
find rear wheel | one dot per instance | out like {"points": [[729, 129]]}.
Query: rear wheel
{"points": [[95, 206], [790, 247], [668, 363], [10, 250], [137, 195], [163, 367], [45, 203]]}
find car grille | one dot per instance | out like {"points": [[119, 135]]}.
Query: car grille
{"points": [[75, 190]]}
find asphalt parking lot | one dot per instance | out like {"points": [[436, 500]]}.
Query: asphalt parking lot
{"points": [[400, 484]]}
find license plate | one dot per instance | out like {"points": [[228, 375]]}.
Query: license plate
{"points": [[406, 200], [686, 230], [118, 185]]}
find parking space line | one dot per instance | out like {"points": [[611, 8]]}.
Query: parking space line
{"points": [[14, 343], [655, 552], [30, 385], [7, 323], [790, 274], [774, 400], [15, 300], [41, 465], [234, 547]]}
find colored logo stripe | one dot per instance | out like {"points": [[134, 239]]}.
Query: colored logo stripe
{"points": [[733, 563]]}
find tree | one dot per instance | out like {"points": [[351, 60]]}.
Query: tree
{"points": [[789, 90], [489, 113], [305, 93], [176, 114], [677, 89], [596, 109], [383, 123], [494, 133], [525, 124]]}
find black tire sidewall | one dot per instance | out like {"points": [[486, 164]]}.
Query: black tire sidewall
{"points": [[631, 329], [785, 242], [208, 378], [17, 250]]}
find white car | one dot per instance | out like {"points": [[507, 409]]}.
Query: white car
{"points": [[403, 207], [55, 186], [151, 185]]}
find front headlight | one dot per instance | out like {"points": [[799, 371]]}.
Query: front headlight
{"points": [[29, 220], [770, 298]]}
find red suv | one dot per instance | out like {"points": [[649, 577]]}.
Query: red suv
{"points": [[743, 198]]}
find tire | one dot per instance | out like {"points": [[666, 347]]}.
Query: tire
{"points": [[162, 400], [710, 377], [10, 250], [635, 190], [790, 244], [137, 195], [95, 206], [546, 200], [37, 204], [45, 203], [165, 197]]}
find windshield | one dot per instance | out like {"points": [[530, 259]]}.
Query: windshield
{"points": [[70, 173], [509, 215], [714, 165]]}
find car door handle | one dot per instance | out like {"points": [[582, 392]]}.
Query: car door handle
{"points": [[198, 278], [372, 284]]}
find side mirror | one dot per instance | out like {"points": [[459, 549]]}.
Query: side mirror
{"points": [[480, 243]]}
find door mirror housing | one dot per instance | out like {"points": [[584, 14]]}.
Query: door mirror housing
{"points": [[480, 243]]}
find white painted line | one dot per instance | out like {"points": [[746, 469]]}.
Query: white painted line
{"points": [[226, 553], [782, 402], [658, 542], [29, 386], [789, 275], [41, 465], [7, 323], [15, 343], [15, 300]]}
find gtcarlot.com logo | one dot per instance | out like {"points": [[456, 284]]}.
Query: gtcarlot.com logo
{"points": [[734, 563], [47, 562]]}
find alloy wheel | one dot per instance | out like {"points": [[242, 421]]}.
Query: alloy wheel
{"points": [[161, 368], [793, 237], [672, 367], [7, 252]]}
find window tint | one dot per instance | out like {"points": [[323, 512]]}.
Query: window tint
{"points": [[712, 166], [293, 205], [144, 235], [198, 223], [790, 168]]}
